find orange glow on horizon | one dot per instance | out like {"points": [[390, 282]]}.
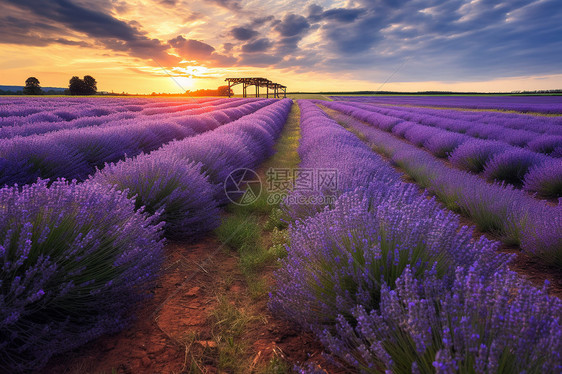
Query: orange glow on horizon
{"points": [[126, 74]]}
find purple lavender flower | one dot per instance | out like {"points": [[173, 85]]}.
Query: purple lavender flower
{"points": [[74, 152], [176, 189], [443, 144], [474, 154], [488, 325], [545, 179], [546, 144], [75, 260], [511, 166]]}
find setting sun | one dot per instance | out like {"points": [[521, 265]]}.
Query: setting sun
{"points": [[186, 83]]}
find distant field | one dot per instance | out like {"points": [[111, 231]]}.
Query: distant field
{"points": [[538, 104]]}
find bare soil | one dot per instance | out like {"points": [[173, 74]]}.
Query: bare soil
{"points": [[173, 332]]}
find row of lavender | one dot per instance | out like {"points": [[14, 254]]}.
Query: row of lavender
{"points": [[76, 258], [390, 282], [519, 219], [24, 108], [497, 161], [101, 115], [543, 137], [536, 123], [537, 104], [184, 180], [75, 153]]}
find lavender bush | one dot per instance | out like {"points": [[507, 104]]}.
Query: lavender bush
{"points": [[342, 256], [388, 280], [443, 144], [511, 166], [500, 209], [503, 162], [185, 183], [474, 154], [76, 152], [547, 144], [74, 260], [498, 324], [545, 179], [170, 186], [434, 120], [540, 104]]}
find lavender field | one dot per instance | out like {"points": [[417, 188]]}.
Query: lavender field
{"points": [[407, 263], [91, 190]]}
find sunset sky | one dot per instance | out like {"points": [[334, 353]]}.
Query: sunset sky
{"points": [[143, 46]]}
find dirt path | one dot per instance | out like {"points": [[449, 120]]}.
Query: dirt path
{"points": [[175, 331], [204, 316]]}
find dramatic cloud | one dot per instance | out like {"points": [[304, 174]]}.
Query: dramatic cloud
{"points": [[292, 25], [443, 40], [259, 45], [169, 3], [317, 13], [191, 49], [228, 4], [63, 17], [243, 33], [369, 40]]}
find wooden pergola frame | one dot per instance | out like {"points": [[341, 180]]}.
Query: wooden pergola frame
{"points": [[258, 82]]}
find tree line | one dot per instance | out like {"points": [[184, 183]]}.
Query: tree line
{"points": [[221, 91], [76, 86]]}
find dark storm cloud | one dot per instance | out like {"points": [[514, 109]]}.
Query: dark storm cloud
{"points": [[71, 42], [259, 45], [78, 18], [227, 47], [14, 31], [316, 13], [292, 25], [243, 33], [62, 17], [191, 49], [261, 21]]}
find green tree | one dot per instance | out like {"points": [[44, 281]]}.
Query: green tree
{"points": [[32, 86], [76, 86], [86, 86], [223, 91], [91, 84]]}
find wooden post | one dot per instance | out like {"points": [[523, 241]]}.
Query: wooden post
{"points": [[258, 82]]}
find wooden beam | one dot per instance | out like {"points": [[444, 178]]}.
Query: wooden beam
{"points": [[257, 82]]}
